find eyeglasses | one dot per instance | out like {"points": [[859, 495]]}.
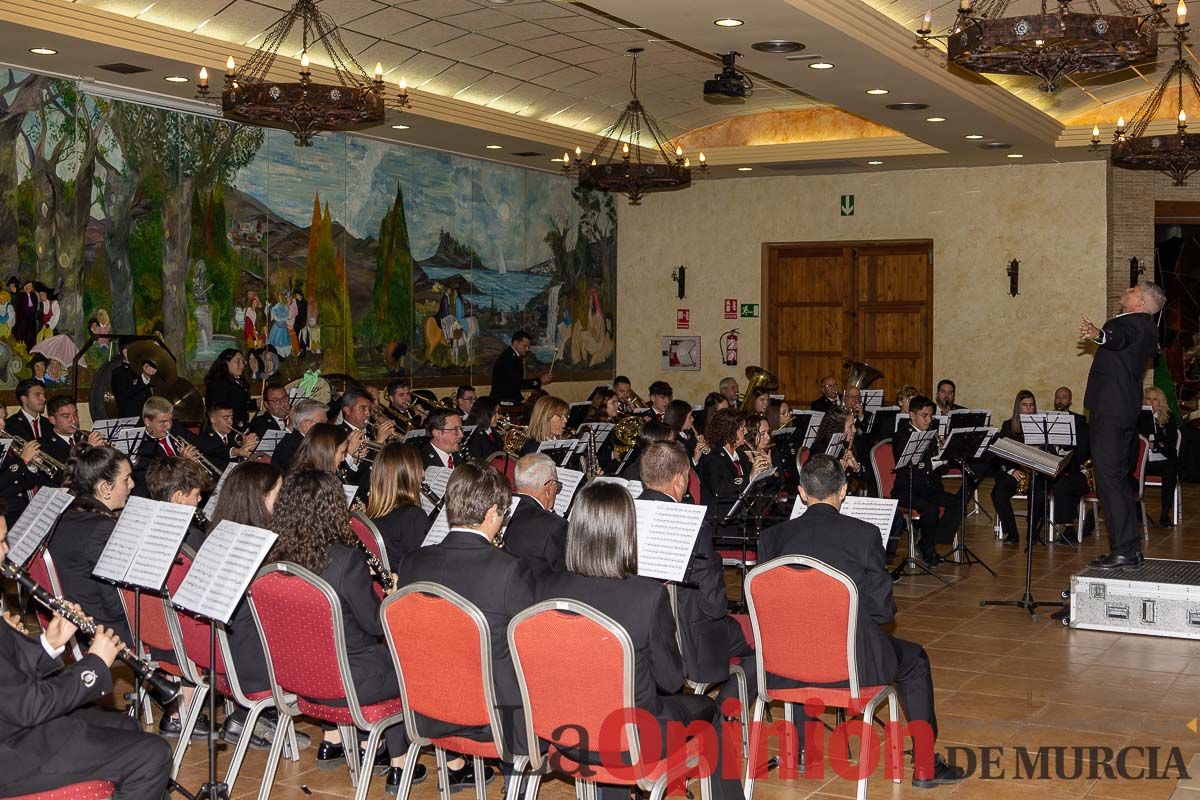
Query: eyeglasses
{"points": [[450, 430], [558, 485]]}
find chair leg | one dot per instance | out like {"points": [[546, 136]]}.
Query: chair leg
{"points": [[443, 771], [1177, 509], [1079, 521], [366, 771], [755, 744], [867, 740], [520, 766], [531, 788], [268, 779], [187, 720], [350, 746], [659, 789], [895, 746], [239, 752], [410, 763], [839, 719], [739, 675], [480, 783]]}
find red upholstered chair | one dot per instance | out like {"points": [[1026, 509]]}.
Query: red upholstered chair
{"points": [[41, 569], [191, 640], [88, 790], [372, 539], [553, 643], [504, 462], [310, 661], [1139, 479], [441, 646], [804, 624], [694, 490]]}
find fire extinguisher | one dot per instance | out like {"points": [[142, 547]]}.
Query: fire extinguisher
{"points": [[729, 347]]}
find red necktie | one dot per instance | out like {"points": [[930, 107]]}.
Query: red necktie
{"points": [[37, 429], [450, 462], [737, 465], [166, 446]]}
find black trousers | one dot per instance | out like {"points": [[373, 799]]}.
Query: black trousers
{"points": [[1168, 470], [375, 684], [1068, 489], [926, 500], [1004, 489], [112, 748], [1114, 450]]}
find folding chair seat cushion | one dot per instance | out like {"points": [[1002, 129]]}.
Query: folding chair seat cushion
{"points": [[340, 715], [87, 790]]}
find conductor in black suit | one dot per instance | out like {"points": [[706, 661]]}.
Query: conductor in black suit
{"points": [[1114, 396], [855, 548], [535, 534], [508, 373]]}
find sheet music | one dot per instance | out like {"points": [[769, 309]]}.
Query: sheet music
{"points": [[210, 507], [749, 489], [436, 479], [782, 432], [5, 446], [36, 520], [602, 429], [814, 422], [878, 511], [351, 490], [223, 569], [666, 535], [570, 479], [127, 439], [798, 508], [872, 399], [915, 448], [144, 543], [108, 427], [1026, 455], [269, 441], [416, 433], [633, 487], [559, 449], [295, 393], [441, 526], [837, 443], [943, 424]]}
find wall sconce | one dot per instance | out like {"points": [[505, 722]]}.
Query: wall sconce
{"points": [[1136, 271], [1014, 274], [679, 275]]}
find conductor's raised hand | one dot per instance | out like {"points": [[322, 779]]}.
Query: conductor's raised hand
{"points": [[1087, 329]]}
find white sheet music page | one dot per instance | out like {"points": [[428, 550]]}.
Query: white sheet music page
{"points": [[269, 441], [418, 433], [351, 490], [223, 569], [872, 399], [878, 511], [436, 479], [35, 522], [633, 487], [798, 508], [814, 422], [836, 445], [602, 429], [125, 539], [570, 479], [437, 529], [160, 545], [666, 534], [210, 507], [915, 448]]}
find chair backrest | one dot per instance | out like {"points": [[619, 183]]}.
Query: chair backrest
{"points": [[366, 531], [506, 464], [441, 648], [41, 570], [797, 599], [883, 461], [553, 644], [306, 659], [155, 630], [1139, 468], [694, 490]]}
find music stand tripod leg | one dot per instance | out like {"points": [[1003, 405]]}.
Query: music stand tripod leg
{"points": [[1026, 602], [910, 561], [965, 554]]}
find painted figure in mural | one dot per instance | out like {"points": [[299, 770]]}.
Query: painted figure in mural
{"points": [[37, 368], [278, 337], [49, 311], [292, 311], [201, 310], [300, 323], [314, 327], [25, 307], [7, 318], [250, 331]]}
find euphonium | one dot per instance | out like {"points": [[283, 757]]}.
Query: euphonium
{"points": [[626, 431], [633, 402]]}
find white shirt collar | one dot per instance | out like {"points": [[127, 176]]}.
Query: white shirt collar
{"points": [[476, 531], [31, 417], [442, 455]]}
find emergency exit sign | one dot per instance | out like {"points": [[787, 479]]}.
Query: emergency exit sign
{"points": [[847, 205]]}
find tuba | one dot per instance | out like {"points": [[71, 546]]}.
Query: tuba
{"points": [[756, 378], [862, 375]]}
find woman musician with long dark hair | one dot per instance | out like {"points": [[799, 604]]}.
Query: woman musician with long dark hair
{"points": [[1009, 480], [395, 500]]}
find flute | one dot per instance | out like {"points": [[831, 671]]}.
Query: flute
{"points": [[161, 687]]}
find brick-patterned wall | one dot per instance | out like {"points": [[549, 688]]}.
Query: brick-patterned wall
{"points": [[1131, 196]]}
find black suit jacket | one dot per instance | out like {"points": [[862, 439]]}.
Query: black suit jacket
{"points": [[823, 404], [430, 458], [854, 547], [350, 578], [508, 377], [709, 636], [149, 449], [225, 392], [1114, 386], [403, 530], [285, 450], [55, 446], [18, 425], [15, 482], [264, 422], [719, 481], [39, 694], [642, 607], [130, 391], [75, 545], [920, 477], [482, 443], [537, 536], [216, 451]]}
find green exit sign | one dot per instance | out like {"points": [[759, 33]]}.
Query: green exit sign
{"points": [[847, 205], [749, 310]]}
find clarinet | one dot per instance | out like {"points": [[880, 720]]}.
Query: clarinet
{"points": [[382, 575], [161, 687], [432, 497]]}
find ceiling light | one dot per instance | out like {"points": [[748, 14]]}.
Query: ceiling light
{"points": [[877, 91], [935, 119], [42, 51], [995, 146], [745, 169], [777, 46], [821, 65], [500, 2], [400, 127], [1015, 155], [493, 147], [176, 79], [907, 106], [874, 163], [973, 136], [727, 22]]}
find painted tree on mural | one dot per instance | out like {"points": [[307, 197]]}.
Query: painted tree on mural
{"points": [[20, 95], [327, 282], [389, 322]]}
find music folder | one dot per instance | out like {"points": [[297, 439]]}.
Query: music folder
{"points": [[35, 522], [883, 419], [222, 570], [1030, 457], [1049, 428], [570, 480], [441, 526], [879, 511], [142, 547], [966, 444], [666, 536]]}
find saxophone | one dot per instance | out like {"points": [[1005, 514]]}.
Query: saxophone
{"points": [[1089, 473], [591, 460]]}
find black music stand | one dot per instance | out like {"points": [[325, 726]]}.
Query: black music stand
{"points": [[914, 451], [962, 447], [1037, 467], [1047, 431], [748, 512]]}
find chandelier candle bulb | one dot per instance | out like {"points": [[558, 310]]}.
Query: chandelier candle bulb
{"points": [[378, 71], [927, 22], [203, 77], [230, 65], [578, 152], [701, 156], [625, 150], [304, 60], [1181, 14]]}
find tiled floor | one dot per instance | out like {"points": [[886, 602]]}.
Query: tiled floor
{"points": [[1002, 681]]}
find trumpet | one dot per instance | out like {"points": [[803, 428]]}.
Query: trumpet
{"points": [[200, 458], [161, 687], [55, 469]]}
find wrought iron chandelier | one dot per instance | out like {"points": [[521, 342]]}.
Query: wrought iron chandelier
{"points": [[616, 164], [1176, 154], [305, 108], [1052, 44]]}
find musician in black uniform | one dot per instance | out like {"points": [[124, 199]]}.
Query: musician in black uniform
{"points": [[547, 423], [394, 504], [27, 421], [313, 524], [486, 438], [1163, 458], [920, 488], [1114, 396], [355, 405], [220, 444], [855, 548], [131, 383], [946, 390], [1071, 484], [163, 436], [50, 735], [399, 405], [464, 399], [535, 533], [725, 469], [602, 572], [278, 412], [1006, 475], [60, 440], [305, 414], [660, 395], [16, 476], [445, 438], [828, 400], [508, 373], [679, 416], [498, 583], [225, 385]]}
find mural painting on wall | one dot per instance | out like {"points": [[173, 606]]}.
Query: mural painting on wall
{"points": [[354, 255]]}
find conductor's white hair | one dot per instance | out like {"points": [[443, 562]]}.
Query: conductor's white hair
{"points": [[1154, 295], [534, 471]]}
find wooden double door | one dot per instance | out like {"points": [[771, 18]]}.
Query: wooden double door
{"points": [[825, 304]]}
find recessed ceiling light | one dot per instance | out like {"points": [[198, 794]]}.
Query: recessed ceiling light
{"points": [[935, 119], [1015, 155], [974, 136], [745, 169], [777, 46], [995, 146], [400, 127], [494, 147], [874, 163], [907, 106], [176, 79], [821, 65], [877, 91], [42, 51], [500, 2], [727, 22]]}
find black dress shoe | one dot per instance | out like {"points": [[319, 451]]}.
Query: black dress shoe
{"points": [[396, 774], [330, 755], [1116, 561], [943, 775], [171, 727], [1165, 522], [464, 777], [232, 730], [1010, 541]]}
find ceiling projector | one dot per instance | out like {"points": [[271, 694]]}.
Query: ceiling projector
{"points": [[729, 85]]}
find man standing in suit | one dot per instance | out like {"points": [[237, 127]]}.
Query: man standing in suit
{"points": [[535, 533], [130, 383], [854, 547], [1114, 396], [508, 373], [445, 436], [305, 414]]}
